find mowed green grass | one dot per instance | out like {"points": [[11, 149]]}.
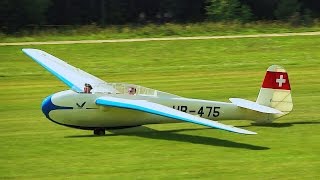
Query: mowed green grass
{"points": [[32, 147]]}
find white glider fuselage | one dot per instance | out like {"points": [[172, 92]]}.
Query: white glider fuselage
{"points": [[93, 103], [80, 110]]}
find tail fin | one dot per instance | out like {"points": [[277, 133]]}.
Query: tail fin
{"points": [[276, 91]]}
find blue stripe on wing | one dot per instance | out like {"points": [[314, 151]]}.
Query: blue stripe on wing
{"points": [[204, 122], [66, 81]]}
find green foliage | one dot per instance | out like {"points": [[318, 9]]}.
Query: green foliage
{"points": [[19, 13], [27, 15], [228, 10], [286, 9], [33, 147], [91, 32], [292, 11], [307, 17], [35, 15]]}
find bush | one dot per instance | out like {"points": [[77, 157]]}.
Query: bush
{"points": [[287, 9], [228, 10], [291, 11]]}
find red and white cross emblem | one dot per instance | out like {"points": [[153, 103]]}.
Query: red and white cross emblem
{"points": [[280, 81]]}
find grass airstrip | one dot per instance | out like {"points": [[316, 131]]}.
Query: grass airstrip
{"points": [[32, 147]]}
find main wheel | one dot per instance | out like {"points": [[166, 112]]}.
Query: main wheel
{"points": [[99, 132]]}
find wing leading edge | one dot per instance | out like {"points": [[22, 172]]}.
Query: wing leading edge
{"points": [[73, 77], [158, 109]]}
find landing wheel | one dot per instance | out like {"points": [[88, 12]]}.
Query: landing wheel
{"points": [[99, 132]]}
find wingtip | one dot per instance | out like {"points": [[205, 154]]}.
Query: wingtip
{"points": [[247, 132], [25, 50], [239, 130], [252, 133], [29, 49]]}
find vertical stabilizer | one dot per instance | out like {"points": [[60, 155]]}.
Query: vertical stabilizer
{"points": [[275, 91]]}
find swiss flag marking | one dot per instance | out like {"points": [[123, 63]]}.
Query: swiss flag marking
{"points": [[276, 80], [281, 81]]}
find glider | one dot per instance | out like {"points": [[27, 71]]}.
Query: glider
{"points": [[93, 104]]}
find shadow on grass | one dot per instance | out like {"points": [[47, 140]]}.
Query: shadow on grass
{"points": [[171, 135], [281, 125]]}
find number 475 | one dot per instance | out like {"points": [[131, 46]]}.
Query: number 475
{"points": [[214, 111]]}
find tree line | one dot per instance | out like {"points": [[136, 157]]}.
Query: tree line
{"points": [[16, 15]]}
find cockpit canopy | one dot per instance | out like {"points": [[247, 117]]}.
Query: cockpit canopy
{"points": [[125, 88]]}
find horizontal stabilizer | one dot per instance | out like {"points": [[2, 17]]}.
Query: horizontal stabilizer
{"points": [[161, 110], [254, 106]]}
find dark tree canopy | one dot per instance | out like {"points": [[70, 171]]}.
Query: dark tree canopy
{"points": [[16, 15]]}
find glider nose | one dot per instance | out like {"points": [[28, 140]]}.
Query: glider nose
{"points": [[47, 106]]}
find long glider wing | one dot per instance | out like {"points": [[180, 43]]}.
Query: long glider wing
{"points": [[73, 77], [158, 109]]}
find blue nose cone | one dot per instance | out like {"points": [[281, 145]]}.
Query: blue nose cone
{"points": [[47, 106]]}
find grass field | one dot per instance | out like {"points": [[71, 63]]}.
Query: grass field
{"points": [[32, 147]]}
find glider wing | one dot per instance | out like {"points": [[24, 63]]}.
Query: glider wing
{"points": [[73, 77], [158, 109]]}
